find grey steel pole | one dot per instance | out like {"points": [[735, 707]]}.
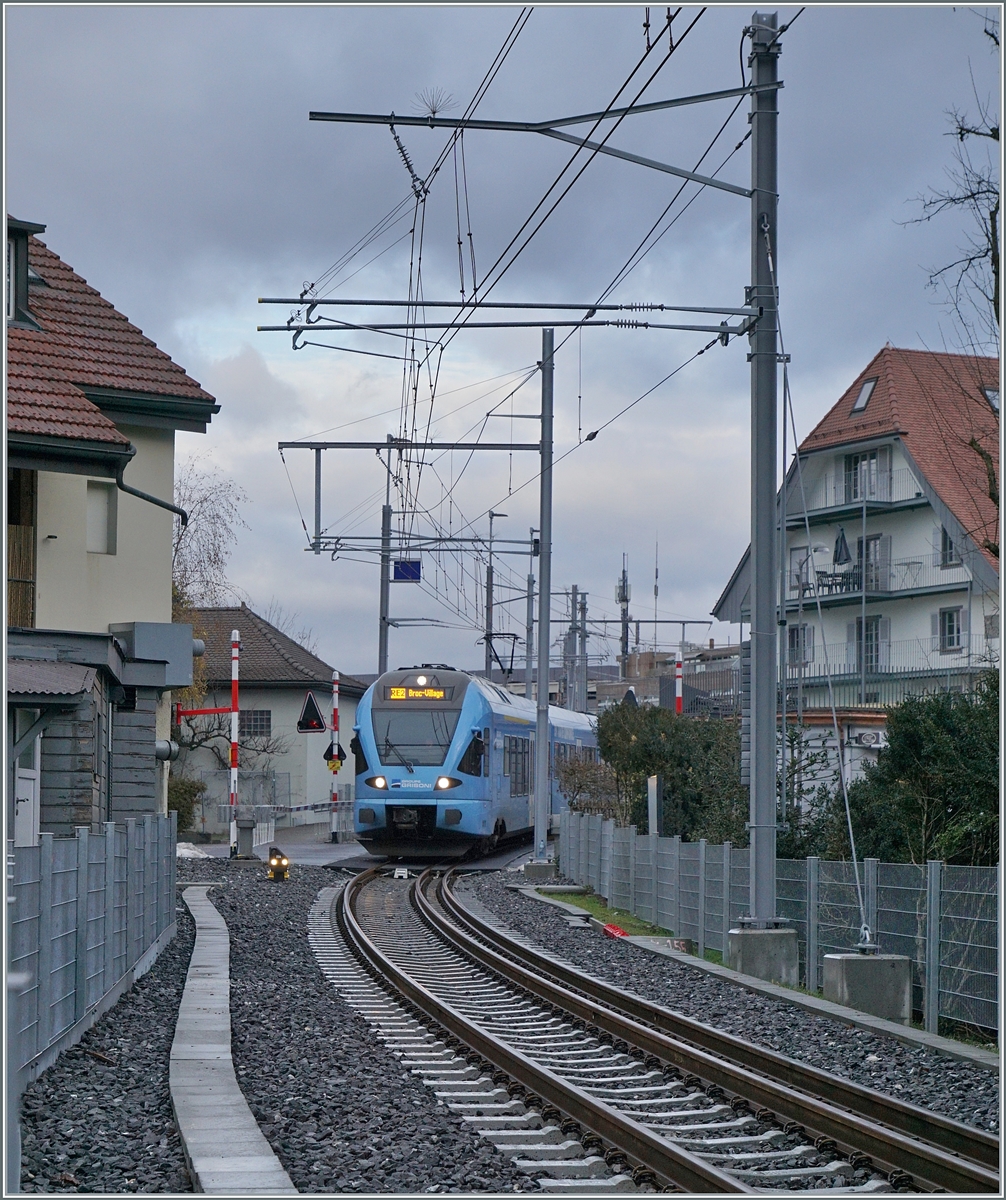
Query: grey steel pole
{"points": [[529, 634], [783, 647], [572, 657], [382, 640], [317, 501], [542, 773], [489, 612], [764, 447], [582, 672]]}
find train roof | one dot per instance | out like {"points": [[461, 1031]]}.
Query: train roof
{"points": [[506, 704], [500, 701]]}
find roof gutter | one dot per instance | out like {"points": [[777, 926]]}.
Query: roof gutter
{"points": [[124, 487]]}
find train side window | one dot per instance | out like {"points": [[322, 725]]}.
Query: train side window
{"points": [[356, 749], [471, 760]]}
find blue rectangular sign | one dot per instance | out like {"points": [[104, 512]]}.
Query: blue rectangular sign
{"points": [[408, 570]]}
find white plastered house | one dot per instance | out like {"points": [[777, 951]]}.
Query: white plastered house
{"points": [[891, 559], [278, 764]]}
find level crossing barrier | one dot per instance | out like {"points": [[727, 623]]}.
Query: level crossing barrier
{"points": [[944, 918]]}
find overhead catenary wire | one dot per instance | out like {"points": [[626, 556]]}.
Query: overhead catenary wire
{"points": [[497, 271]]}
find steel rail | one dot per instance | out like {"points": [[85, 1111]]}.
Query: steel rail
{"points": [[953, 1136], [930, 1166], [671, 1164]]}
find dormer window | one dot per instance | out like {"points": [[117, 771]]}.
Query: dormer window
{"points": [[865, 392], [18, 271], [992, 396]]}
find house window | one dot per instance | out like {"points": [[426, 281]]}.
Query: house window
{"points": [[877, 569], [950, 630], [869, 643], [21, 493], [868, 475], [255, 722], [948, 551], [992, 625], [801, 644], [992, 396], [865, 392], [101, 517]]}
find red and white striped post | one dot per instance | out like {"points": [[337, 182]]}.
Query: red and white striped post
{"points": [[679, 686], [235, 655], [334, 764]]}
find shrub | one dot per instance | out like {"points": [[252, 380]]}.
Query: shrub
{"points": [[182, 796]]}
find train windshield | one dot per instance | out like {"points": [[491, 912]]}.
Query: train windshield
{"points": [[416, 737]]}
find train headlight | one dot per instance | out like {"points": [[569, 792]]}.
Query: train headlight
{"points": [[445, 782], [377, 781], [279, 864]]}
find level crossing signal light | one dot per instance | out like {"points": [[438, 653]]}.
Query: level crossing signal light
{"points": [[279, 864]]}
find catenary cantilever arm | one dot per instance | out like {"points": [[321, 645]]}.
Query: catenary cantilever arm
{"points": [[550, 128]]}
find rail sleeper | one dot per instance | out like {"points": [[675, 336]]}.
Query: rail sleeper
{"points": [[535, 1148]]}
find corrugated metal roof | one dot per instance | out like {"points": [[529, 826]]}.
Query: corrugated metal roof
{"points": [[31, 677]]}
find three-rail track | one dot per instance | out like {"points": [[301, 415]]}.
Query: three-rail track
{"points": [[687, 1106]]}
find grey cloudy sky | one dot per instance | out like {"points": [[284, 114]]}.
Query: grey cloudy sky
{"points": [[168, 151]]}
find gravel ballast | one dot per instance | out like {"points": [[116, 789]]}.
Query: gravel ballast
{"points": [[916, 1074], [99, 1119], [338, 1109]]}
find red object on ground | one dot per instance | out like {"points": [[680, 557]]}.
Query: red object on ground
{"points": [[614, 931]]}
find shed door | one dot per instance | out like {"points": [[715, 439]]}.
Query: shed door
{"points": [[26, 813]]}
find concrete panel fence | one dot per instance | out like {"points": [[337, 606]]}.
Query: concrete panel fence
{"points": [[90, 913], [944, 918]]}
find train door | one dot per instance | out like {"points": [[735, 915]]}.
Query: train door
{"points": [[26, 782]]}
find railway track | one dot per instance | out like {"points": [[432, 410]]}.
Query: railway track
{"points": [[598, 1090]]}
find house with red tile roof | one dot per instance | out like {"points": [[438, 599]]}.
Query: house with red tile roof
{"points": [[891, 569], [279, 763], [92, 411]]}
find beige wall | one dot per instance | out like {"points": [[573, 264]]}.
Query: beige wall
{"points": [[88, 592]]}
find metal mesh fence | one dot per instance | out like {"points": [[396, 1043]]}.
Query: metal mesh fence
{"points": [[791, 901], [682, 886], [969, 932], [85, 910], [901, 919], [713, 911]]}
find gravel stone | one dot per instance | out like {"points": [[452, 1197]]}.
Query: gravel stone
{"points": [[99, 1119], [916, 1074], [339, 1110]]}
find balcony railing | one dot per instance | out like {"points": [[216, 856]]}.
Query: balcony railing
{"points": [[910, 657], [932, 570], [839, 489]]}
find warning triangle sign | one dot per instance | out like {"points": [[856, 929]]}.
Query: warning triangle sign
{"points": [[311, 720]]}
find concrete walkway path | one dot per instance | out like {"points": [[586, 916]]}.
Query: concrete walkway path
{"points": [[227, 1153]]}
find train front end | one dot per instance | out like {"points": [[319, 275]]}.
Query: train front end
{"points": [[420, 787]]}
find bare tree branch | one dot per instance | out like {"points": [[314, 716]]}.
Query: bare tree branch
{"points": [[202, 549]]}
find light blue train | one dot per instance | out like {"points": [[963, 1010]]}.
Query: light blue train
{"points": [[445, 762]]}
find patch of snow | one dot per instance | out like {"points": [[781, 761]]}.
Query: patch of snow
{"points": [[188, 850]]}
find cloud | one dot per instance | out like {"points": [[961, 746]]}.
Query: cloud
{"points": [[168, 149]]}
